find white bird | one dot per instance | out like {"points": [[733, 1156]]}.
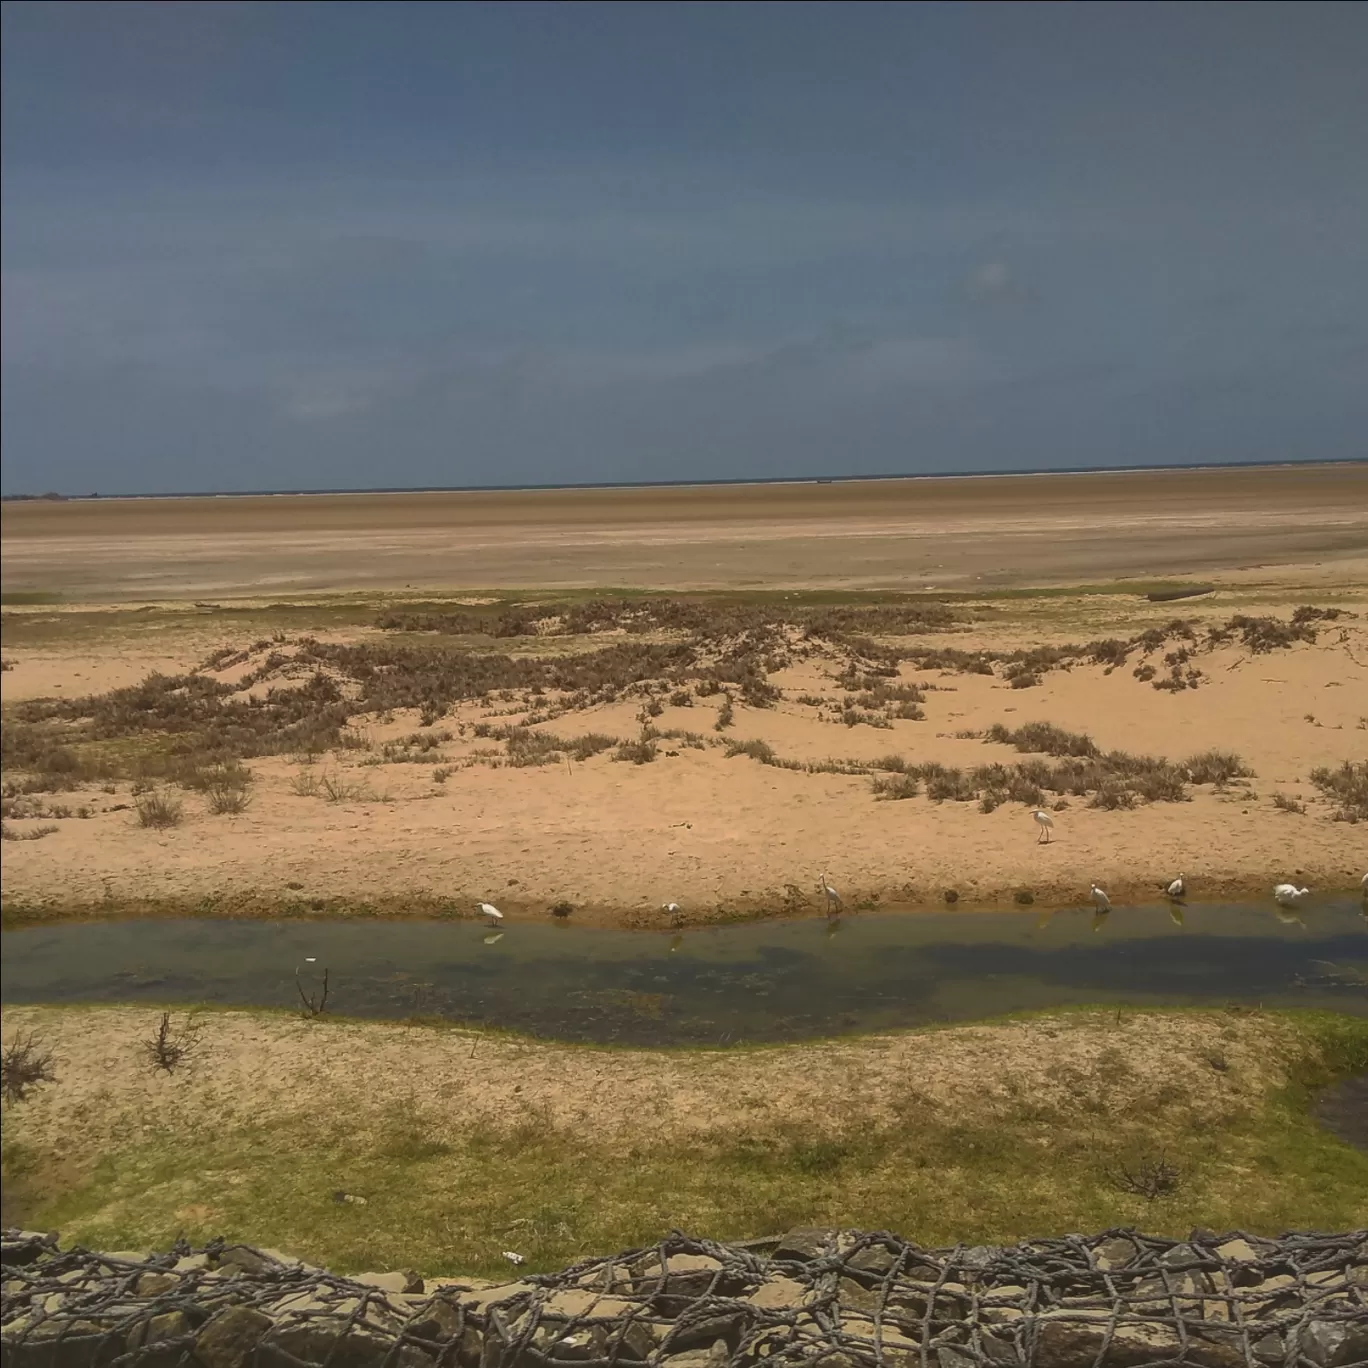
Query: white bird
{"points": [[833, 898], [1289, 895], [1100, 899], [1363, 884], [512, 1257], [1046, 824], [1177, 889], [676, 912], [490, 911]]}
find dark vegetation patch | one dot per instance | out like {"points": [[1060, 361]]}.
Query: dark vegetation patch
{"points": [[1113, 780], [1346, 787], [301, 696]]}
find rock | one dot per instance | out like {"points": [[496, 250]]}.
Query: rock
{"points": [[483, 1298], [391, 1282], [1269, 1349], [1073, 1342], [1270, 1295], [229, 1340], [855, 1297], [708, 1330], [192, 1263], [804, 1244], [950, 1356], [1335, 1344], [581, 1302], [21, 1247], [244, 1259], [1113, 1253], [170, 1325], [58, 1343], [154, 1284], [1237, 1251], [565, 1343], [715, 1356], [1180, 1256], [457, 1284], [777, 1293], [287, 1260], [339, 1347], [875, 1259]]}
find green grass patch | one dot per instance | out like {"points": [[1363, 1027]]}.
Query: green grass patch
{"points": [[449, 1198]]}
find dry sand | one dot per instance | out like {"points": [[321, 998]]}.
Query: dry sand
{"points": [[941, 533], [729, 836]]}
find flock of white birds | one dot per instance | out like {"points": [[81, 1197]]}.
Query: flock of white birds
{"points": [[1286, 895]]}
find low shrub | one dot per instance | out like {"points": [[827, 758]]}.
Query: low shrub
{"points": [[159, 810]]}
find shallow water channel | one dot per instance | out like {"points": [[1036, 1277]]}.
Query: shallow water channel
{"points": [[758, 981]]}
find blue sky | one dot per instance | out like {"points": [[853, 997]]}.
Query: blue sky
{"points": [[253, 246]]}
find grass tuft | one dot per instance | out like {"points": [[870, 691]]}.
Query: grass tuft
{"points": [[159, 810]]}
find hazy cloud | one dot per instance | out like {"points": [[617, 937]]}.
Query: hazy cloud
{"points": [[252, 245]]}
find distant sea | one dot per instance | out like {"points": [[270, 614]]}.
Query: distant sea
{"points": [[689, 484]]}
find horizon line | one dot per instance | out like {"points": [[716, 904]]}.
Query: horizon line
{"points": [[52, 495]]}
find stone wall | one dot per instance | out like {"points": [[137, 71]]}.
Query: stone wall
{"points": [[808, 1299]]}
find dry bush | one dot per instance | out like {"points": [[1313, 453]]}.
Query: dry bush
{"points": [[1347, 787], [1043, 738], [1215, 767], [227, 800], [159, 810], [37, 833], [896, 786], [637, 752], [24, 1065], [168, 1048], [1283, 803], [1150, 1178]]}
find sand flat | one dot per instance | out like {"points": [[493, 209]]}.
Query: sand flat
{"points": [[726, 835], [958, 533]]}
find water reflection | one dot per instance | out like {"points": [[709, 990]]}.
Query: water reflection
{"points": [[760, 981]]}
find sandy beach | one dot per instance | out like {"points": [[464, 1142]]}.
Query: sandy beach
{"points": [[706, 824]]}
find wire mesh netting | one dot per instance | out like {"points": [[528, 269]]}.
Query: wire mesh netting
{"points": [[816, 1298]]}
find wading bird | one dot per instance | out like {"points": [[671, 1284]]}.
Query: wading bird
{"points": [[833, 898], [1177, 889], [490, 911], [1046, 824], [676, 912], [1364, 885], [1100, 899], [1289, 895]]}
